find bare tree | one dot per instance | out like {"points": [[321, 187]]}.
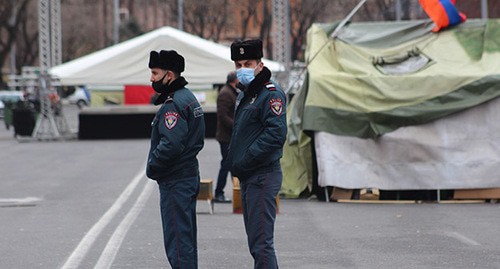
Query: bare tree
{"points": [[219, 19], [247, 11], [302, 15], [80, 35], [385, 8], [10, 21], [27, 40], [105, 18], [206, 19], [131, 8], [472, 8], [406, 10], [266, 23], [195, 18]]}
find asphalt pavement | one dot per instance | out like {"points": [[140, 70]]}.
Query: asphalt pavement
{"points": [[87, 204]]}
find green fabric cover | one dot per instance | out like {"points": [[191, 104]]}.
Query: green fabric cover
{"points": [[348, 95], [345, 94]]}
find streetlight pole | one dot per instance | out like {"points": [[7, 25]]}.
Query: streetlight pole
{"points": [[484, 9], [398, 10], [281, 38], [116, 21], [180, 13], [12, 21]]}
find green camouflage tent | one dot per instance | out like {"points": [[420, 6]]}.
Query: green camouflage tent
{"points": [[377, 77]]}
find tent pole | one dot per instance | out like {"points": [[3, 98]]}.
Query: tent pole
{"points": [[346, 19], [327, 198]]}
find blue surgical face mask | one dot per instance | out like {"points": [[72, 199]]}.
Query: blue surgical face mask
{"points": [[245, 75]]}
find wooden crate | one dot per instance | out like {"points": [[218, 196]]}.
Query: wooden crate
{"points": [[206, 193], [340, 194], [237, 207]]}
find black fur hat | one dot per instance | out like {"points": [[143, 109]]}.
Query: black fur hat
{"points": [[167, 60], [246, 50]]}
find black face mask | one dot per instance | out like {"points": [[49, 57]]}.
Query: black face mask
{"points": [[158, 86]]}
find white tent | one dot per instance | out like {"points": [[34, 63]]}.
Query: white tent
{"points": [[126, 63]]}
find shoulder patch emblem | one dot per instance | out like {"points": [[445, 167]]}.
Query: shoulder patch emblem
{"points": [[276, 106], [171, 119], [198, 112], [271, 87]]}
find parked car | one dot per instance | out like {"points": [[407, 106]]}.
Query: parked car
{"points": [[2, 106], [81, 97]]}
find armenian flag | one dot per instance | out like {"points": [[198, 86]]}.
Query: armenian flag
{"points": [[443, 13]]}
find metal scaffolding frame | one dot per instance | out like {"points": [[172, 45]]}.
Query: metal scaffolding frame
{"points": [[51, 123], [281, 39], [44, 34]]}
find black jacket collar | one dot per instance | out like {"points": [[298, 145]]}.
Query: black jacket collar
{"points": [[177, 84], [257, 83]]}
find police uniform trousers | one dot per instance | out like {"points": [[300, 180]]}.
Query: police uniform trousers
{"points": [[178, 215], [258, 195]]}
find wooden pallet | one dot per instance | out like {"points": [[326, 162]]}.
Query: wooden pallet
{"points": [[473, 194], [491, 195]]}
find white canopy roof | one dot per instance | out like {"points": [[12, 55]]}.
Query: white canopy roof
{"points": [[126, 63]]}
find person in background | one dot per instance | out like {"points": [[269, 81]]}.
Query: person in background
{"points": [[225, 114], [177, 135], [256, 148]]}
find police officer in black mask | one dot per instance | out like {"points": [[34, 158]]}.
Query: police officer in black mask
{"points": [[177, 134]]}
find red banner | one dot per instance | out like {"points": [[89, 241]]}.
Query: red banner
{"points": [[138, 94]]}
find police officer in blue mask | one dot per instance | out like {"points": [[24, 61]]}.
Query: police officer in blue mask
{"points": [[177, 134], [256, 147]]}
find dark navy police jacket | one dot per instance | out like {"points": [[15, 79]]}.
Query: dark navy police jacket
{"points": [[259, 130], [177, 135]]}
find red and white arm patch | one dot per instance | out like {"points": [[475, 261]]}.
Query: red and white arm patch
{"points": [[270, 87], [276, 106], [170, 119]]}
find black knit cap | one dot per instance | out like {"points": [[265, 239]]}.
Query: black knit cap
{"points": [[167, 60], [246, 50]]}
